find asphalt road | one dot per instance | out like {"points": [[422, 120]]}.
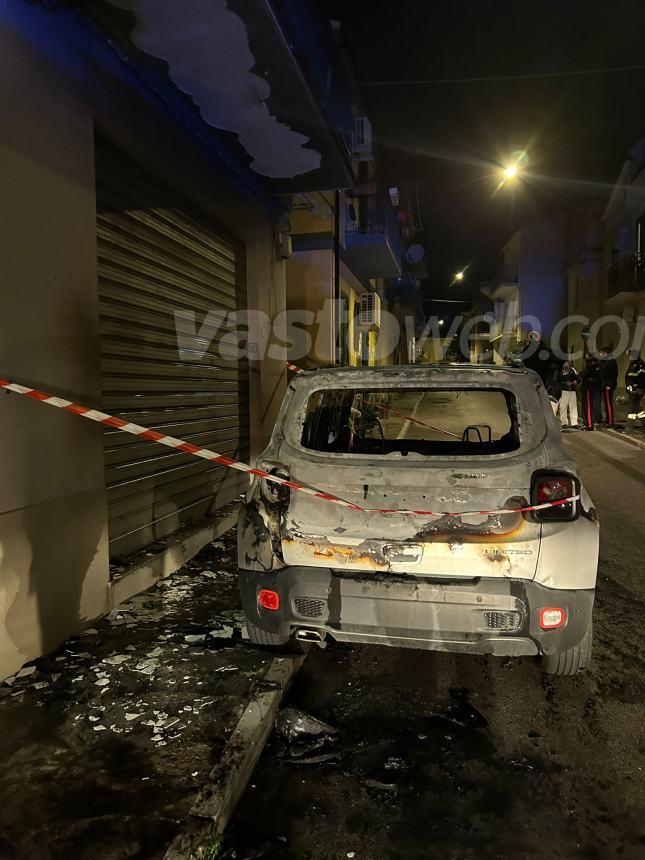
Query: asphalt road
{"points": [[450, 756]]}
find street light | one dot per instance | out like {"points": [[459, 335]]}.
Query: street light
{"points": [[459, 276], [513, 170]]}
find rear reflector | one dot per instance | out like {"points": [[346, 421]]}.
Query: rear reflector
{"points": [[551, 618], [269, 599]]}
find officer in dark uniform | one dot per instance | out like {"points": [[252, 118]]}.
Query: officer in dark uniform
{"points": [[608, 382], [591, 391]]}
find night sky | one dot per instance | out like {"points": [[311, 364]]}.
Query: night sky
{"points": [[447, 138]]}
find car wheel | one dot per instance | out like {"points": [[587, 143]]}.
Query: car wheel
{"points": [[573, 660], [273, 641]]}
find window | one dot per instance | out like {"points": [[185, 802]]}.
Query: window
{"points": [[435, 421]]}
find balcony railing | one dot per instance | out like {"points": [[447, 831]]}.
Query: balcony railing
{"points": [[506, 325], [626, 275]]}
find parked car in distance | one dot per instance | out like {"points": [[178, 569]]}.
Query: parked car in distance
{"points": [[472, 444]]}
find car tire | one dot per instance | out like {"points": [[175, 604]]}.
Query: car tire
{"points": [[273, 641], [572, 661]]}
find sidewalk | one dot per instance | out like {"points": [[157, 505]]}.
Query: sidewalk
{"points": [[110, 745], [622, 432], [625, 429]]}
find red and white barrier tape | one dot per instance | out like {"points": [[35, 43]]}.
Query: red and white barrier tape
{"points": [[296, 369], [206, 454], [162, 439]]}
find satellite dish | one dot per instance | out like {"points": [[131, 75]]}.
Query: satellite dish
{"points": [[415, 254]]}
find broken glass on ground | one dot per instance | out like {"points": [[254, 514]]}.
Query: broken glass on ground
{"points": [[133, 701]]}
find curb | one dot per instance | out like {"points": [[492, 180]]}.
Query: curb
{"points": [[215, 804], [629, 439]]}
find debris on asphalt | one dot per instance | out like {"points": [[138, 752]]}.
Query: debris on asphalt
{"points": [[306, 739], [380, 786], [293, 724], [322, 758]]}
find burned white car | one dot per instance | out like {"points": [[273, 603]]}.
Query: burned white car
{"points": [[467, 528]]}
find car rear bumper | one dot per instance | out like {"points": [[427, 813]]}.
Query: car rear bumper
{"points": [[481, 616]]}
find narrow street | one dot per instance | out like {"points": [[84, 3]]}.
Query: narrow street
{"points": [[442, 755], [289, 291]]}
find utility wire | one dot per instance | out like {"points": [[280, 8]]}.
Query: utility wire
{"points": [[536, 75]]}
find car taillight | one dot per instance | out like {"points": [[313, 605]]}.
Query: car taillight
{"points": [[552, 617], [273, 491], [552, 489], [269, 599]]}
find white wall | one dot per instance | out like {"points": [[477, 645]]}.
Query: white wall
{"points": [[53, 533], [53, 517]]}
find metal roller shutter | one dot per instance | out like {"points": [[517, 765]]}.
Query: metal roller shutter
{"points": [[158, 253]]}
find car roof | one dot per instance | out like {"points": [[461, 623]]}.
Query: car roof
{"points": [[412, 370]]}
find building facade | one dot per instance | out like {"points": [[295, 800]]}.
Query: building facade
{"points": [[622, 292], [529, 291], [142, 216]]}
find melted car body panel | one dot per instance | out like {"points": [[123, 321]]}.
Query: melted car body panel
{"points": [[303, 531]]}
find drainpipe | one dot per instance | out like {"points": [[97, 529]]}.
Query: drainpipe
{"points": [[337, 302]]}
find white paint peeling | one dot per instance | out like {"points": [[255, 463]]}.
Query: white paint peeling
{"points": [[207, 49]]}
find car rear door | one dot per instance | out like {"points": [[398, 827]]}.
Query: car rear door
{"points": [[444, 538], [321, 533]]}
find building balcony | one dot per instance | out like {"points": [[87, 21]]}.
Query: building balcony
{"points": [[504, 284], [294, 135], [508, 326], [373, 245], [625, 279]]}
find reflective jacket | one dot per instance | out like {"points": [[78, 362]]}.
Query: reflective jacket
{"points": [[635, 377]]}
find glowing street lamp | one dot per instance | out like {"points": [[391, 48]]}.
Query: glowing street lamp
{"points": [[459, 276], [513, 170]]}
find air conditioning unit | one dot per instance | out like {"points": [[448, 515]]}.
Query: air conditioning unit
{"points": [[283, 246], [362, 145], [370, 315], [629, 314]]}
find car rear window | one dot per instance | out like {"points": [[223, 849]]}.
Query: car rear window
{"points": [[427, 421]]}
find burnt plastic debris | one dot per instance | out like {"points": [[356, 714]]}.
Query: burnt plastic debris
{"points": [[295, 725], [305, 739]]}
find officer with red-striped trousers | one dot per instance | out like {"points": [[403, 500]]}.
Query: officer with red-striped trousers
{"points": [[608, 382]]}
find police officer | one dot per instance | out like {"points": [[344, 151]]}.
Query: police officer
{"points": [[591, 391], [608, 381], [635, 384]]}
